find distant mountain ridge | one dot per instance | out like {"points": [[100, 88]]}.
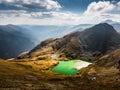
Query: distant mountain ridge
{"points": [[13, 41], [35, 34], [43, 32]]}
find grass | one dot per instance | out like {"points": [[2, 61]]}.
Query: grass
{"points": [[31, 75], [25, 74]]}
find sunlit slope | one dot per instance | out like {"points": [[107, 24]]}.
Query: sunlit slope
{"points": [[24, 74]]}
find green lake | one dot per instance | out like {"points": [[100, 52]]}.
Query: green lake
{"points": [[69, 67]]}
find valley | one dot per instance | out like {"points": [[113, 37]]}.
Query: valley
{"points": [[59, 44], [81, 60]]}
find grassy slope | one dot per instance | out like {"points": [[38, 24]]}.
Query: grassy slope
{"points": [[14, 75], [38, 75], [28, 74]]}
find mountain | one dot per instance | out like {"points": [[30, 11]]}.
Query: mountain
{"points": [[43, 32], [104, 72], [32, 33], [13, 41], [111, 59], [116, 25], [82, 26], [99, 43], [87, 44]]}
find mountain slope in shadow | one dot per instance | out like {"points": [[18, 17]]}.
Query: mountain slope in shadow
{"points": [[13, 41]]}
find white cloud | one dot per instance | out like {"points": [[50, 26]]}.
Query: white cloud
{"points": [[118, 6], [32, 4], [99, 7], [102, 10], [95, 13], [52, 18], [41, 18]]}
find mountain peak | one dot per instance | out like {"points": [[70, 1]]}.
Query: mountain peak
{"points": [[102, 27]]}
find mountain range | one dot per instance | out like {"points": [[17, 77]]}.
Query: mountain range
{"points": [[43, 32], [88, 44], [38, 33], [13, 41], [99, 44], [29, 35]]}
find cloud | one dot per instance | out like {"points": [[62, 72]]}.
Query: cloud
{"points": [[41, 18], [102, 10], [95, 13], [32, 4], [99, 7], [118, 6], [52, 18]]}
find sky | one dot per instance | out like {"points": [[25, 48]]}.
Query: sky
{"points": [[58, 12]]}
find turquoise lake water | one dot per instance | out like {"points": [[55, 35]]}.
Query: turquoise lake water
{"points": [[69, 67]]}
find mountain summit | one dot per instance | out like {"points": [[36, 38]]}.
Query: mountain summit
{"points": [[101, 37]]}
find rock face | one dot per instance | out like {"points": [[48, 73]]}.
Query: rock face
{"points": [[13, 41], [87, 44]]}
